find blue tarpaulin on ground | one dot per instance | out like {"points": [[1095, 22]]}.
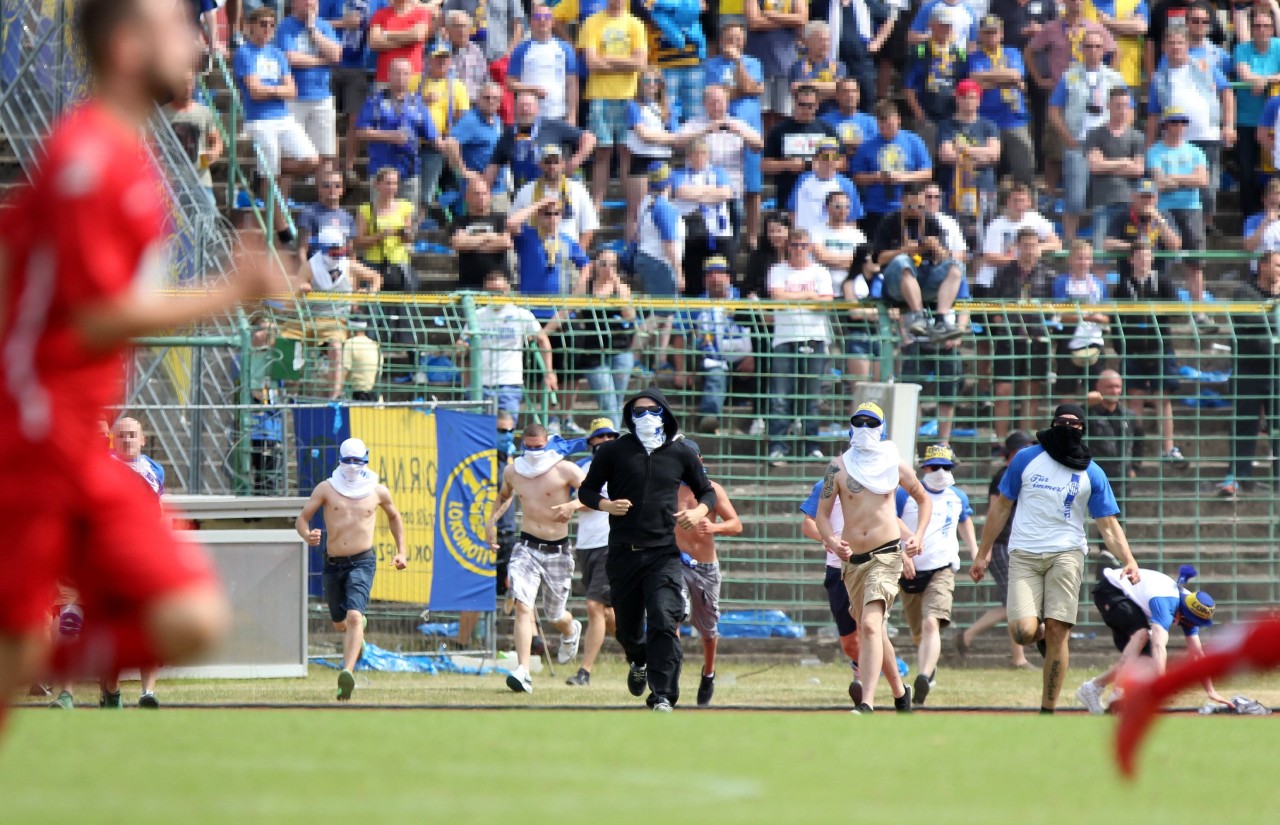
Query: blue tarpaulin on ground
{"points": [[376, 658], [758, 624]]}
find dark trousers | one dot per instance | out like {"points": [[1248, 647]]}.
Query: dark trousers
{"points": [[1248, 158], [1253, 398], [646, 584]]}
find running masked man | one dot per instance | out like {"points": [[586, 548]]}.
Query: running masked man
{"points": [[544, 483], [864, 480], [351, 498], [701, 571], [80, 248]]}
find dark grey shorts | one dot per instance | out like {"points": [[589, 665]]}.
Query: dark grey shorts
{"points": [[703, 586], [347, 582], [591, 561], [999, 568]]}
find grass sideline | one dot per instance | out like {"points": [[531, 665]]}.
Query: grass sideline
{"points": [[739, 683], [558, 767]]}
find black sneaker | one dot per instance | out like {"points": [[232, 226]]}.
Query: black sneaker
{"points": [[581, 679], [148, 700], [921, 691], [109, 700], [637, 678], [706, 688], [855, 692], [902, 704], [864, 709]]}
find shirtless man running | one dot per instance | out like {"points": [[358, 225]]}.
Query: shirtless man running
{"points": [[865, 479], [544, 482], [351, 498], [701, 571]]}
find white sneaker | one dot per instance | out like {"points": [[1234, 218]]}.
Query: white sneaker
{"points": [[662, 706], [553, 426], [569, 645], [1090, 695], [518, 680], [756, 428], [568, 425]]}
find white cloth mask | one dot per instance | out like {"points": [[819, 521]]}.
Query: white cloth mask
{"points": [[939, 480], [650, 430], [353, 480], [534, 463], [871, 462]]}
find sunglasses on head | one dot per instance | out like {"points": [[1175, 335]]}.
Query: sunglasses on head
{"points": [[860, 421]]}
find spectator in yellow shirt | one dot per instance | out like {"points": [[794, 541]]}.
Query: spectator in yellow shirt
{"points": [[445, 97], [614, 46]]}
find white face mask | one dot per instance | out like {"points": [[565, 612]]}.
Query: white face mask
{"points": [[352, 472], [864, 438], [650, 430], [333, 264], [939, 479]]}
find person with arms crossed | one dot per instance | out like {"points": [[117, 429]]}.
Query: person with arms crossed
{"points": [[1054, 485], [870, 544], [701, 571], [543, 556], [350, 498], [155, 598], [643, 469]]}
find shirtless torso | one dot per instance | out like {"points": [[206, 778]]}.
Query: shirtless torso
{"points": [[547, 503], [350, 522], [700, 541], [870, 519]]}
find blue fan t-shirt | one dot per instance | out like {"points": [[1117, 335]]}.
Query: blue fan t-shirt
{"points": [[905, 153], [291, 36], [269, 65], [1177, 160], [1053, 500]]}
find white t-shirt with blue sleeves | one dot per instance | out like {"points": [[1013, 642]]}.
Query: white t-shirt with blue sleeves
{"points": [[810, 508], [941, 544], [1158, 595], [1052, 500]]}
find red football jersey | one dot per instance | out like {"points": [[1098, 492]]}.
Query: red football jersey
{"points": [[89, 226]]}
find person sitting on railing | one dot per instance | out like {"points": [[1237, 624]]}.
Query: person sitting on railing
{"points": [[312, 47], [1081, 350], [1150, 366], [1257, 379], [332, 269], [1143, 222], [266, 85], [709, 342], [328, 212], [193, 124], [480, 238], [1021, 342], [395, 124]]}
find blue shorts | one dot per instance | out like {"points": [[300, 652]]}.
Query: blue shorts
{"points": [[347, 582], [838, 601], [509, 397], [752, 177], [861, 345], [607, 120], [684, 88]]}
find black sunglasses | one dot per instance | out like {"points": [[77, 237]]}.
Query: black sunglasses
{"points": [[1073, 423], [863, 421]]}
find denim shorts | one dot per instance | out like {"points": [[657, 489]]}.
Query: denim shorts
{"points": [[861, 344], [607, 120], [509, 396], [347, 582]]}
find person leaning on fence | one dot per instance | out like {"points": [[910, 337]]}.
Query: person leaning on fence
{"points": [[543, 557], [1055, 484], [643, 469], [329, 274], [801, 348], [1256, 381], [350, 499], [710, 343], [1020, 351], [918, 268], [592, 542], [1081, 349], [929, 580], [266, 86], [999, 564], [1150, 364]]}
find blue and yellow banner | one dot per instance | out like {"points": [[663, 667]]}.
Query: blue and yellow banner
{"points": [[440, 467]]}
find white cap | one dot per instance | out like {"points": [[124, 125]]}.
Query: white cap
{"points": [[353, 448]]}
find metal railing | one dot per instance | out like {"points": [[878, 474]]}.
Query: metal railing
{"points": [[1176, 510]]}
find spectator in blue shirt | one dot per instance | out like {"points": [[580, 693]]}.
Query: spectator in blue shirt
{"points": [[350, 19], [710, 343], [937, 65], [852, 125], [743, 78], [999, 70], [1257, 64], [545, 256], [312, 47], [469, 147], [1179, 169], [266, 84], [964, 23], [327, 212], [887, 162], [517, 159], [394, 122]]}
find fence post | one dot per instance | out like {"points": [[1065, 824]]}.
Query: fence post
{"points": [[886, 341], [244, 419], [475, 381]]}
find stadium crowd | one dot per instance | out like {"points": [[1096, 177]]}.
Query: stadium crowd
{"points": [[882, 151]]}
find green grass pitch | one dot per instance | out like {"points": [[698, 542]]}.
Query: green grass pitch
{"points": [[528, 767]]}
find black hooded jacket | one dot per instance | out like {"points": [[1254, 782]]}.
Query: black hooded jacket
{"points": [[650, 481]]}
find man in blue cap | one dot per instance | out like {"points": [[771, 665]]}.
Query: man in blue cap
{"points": [[1140, 617]]}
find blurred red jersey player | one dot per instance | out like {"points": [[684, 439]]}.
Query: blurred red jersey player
{"points": [[80, 248]]}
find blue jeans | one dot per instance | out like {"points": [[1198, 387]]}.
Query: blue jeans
{"points": [[608, 383], [796, 372], [509, 396], [930, 276], [432, 169], [1075, 181]]}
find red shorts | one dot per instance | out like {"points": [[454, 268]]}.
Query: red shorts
{"points": [[94, 524]]}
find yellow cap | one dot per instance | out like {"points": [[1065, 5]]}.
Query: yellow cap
{"points": [[869, 408]]}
